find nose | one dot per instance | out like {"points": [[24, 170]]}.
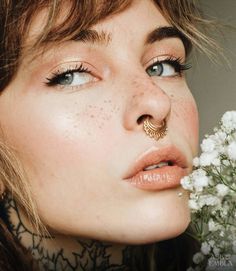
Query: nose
{"points": [[145, 99]]}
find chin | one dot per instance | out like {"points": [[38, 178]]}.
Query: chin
{"points": [[148, 218], [162, 218], [156, 234], [145, 230]]}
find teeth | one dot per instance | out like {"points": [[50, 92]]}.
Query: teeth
{"points": [[159, 165], [163, 164], [151, 167]]}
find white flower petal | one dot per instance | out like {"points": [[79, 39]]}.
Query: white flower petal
{"points": [[229, 121], [208, 145], [206, 158], [222, 190], [196, 161], [198, 258], [231, 151], [205, 248], [193, 204]]}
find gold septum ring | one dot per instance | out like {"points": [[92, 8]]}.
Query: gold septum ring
{"points": [[155, 131]]}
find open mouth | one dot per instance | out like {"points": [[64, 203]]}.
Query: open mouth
{"points": [[159, 165], [158, 170]]}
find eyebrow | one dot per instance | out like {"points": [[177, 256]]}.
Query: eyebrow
{"points": [[166, 32], [93, 36], [158, 34], [163, 32]]}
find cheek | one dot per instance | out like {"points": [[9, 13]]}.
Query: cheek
{"points": [[190, 116], [58, 147], [55, 140], [187, 121]]}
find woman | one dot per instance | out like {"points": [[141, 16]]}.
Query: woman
{"points": [[97, 127]]}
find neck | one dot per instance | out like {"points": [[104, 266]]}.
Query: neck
{"points": [[60, 252]]}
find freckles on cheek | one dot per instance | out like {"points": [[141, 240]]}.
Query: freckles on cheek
{"points": [[97, 119], [81, 129], [192, 120], [187, 115]]}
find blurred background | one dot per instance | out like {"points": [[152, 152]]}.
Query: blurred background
{"points": [[214, 85]]}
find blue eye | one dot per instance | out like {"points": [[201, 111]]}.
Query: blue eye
{"points": [[66, 79], [167, 68], [155, 69], [72, 77]]}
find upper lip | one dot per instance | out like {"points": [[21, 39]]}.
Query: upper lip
{"points": [[165, 154]]}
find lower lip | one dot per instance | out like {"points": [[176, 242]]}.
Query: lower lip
{"points": [[158, 179]]}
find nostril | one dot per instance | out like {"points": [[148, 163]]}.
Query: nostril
{"points": [[141, 119]]}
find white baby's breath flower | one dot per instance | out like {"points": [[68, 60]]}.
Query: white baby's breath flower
{"points": [[198, 173], [231, 151], [198, 258], [222, 233], [206, 158], [212, 186], [205, 248], [216, 251], [187, 183], [196, 162], [220, 137], [224, 210], [212, 225], [193, 205], [233, 136], [208, 200], [226, 163], [200, 183], [212, 243], [216, 162], [208, 145], [229, 121], [222, 190]]}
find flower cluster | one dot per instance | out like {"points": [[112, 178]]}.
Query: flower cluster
{"points": [[212, 186]]}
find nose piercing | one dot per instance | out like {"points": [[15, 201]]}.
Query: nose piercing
{"points": [[155, 131]]}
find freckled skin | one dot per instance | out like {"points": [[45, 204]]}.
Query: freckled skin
{"points": [[77, 146]]}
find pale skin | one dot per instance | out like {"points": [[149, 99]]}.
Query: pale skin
{"points": [[77, 142]]}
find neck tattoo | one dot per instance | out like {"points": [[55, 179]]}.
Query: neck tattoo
{"points": [[63, 253]]}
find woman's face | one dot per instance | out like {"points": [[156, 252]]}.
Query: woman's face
{"points": [[79, 134]]}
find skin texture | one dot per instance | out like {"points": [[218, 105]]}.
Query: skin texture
{"points": [[77, 142]]}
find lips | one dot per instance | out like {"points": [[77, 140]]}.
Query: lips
{"points": [[173, 166]]}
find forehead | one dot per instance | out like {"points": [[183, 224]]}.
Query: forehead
{"points": [[134, 18], [65, 26], [68, 18]]}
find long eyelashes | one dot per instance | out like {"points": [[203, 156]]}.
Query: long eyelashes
{"points": [[177, 63], [58, 75]]}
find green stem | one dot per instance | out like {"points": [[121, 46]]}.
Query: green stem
{"points": [[223, 181], [193, 236]]}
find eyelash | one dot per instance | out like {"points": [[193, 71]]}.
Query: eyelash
{"points": [[177, 64], [55, 78]]}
